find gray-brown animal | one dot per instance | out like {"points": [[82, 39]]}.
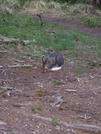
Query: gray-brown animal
{"points": [[52, 60]]}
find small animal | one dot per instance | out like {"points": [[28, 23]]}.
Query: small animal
{"points": [[51, 60]]}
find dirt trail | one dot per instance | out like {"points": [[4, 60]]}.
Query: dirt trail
{"points": [[94, 31]]}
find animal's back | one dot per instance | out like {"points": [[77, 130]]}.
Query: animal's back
{"points": [[58, 58]]}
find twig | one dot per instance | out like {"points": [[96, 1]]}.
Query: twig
{"points": [[5, 70], [39, 15], [21, 95], [19, 60]]}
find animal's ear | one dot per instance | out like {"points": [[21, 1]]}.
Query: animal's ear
{"points": [[44, 58]]}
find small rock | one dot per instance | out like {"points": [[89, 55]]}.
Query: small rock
{"points": [[1, 67], [2, 123]]}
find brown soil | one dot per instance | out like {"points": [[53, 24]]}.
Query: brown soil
{"points": [[24, 110]]}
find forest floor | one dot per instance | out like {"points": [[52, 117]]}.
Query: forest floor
{"points": [[55, 102]]}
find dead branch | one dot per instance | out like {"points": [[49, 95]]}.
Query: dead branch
{"points": [[10, 41], [40, 17], [21, 95], [77, 126], [21, 61], [14, 66], [92, 128], [21, 104], [9, 88], [3, 51], [70, 90]]}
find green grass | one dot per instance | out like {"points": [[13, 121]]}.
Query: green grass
{"points": [[40, 91], [77, 44], [24, 28], [79, 71], [35, 110], [3, 91], [56, 82], [54, 122]]}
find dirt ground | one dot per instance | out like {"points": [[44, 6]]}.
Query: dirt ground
{"points": [[34, 105]]}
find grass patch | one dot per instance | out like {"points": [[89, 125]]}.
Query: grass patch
{"points": [[54, 122], [29, 70], [79, 71], [24, 28], [40, 91], [56, 82], [70, 100], [35, 110], [3, 91], [77, 44], [89, 22]]}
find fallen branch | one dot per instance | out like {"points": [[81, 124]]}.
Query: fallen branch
{"points": [[77, 126], [92, 128], [21, 95], [10, 41], [21, 61], [14, 66], [70, 90], [3, 51], [21, 104], [8, 88]]}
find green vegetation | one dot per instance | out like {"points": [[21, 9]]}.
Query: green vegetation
{"points": [[71, 1], [77, 44], [79, 71], [56, 82], [40, 91], [29, 70], [35, 110], [22, 2], [89, 22], [54, 122], [3, 91], [70, 100]]}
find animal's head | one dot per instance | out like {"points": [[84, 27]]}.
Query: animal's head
{"points": [[44, 62]]}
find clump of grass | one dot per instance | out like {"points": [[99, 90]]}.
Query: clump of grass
{"points": [[79, 71], [29, 70], [40, 91], [70, 100], [64, 6], [89, 22], [40, 107], [3, 90], [54, 122], [56, 82], [35, 110], [12, 72]]}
